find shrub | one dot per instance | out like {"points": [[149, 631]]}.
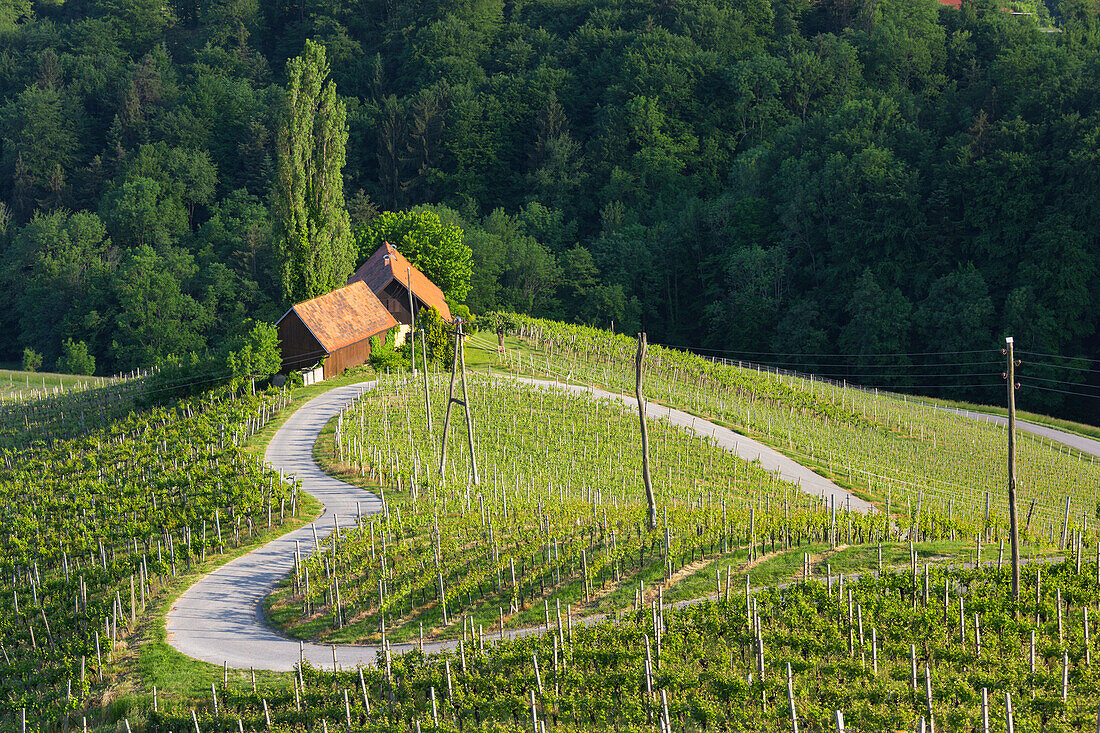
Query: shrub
{"points": [[437, 333], [75, 358], [383, 357], [32, 360], [255, 355]]}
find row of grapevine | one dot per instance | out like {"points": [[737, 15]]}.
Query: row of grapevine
{"points": [[886, 650], [94, 528], [896, 448], [558, 518]]}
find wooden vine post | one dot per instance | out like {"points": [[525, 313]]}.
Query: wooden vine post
{"points": [[1014, 529], [459, 360], [650, 500], [424, 363]]}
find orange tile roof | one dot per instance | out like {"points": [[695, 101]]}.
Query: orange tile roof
{"points": [[388, 264], [344, 316]]}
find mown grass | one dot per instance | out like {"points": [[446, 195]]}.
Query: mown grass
{"points": [[15, 383]]}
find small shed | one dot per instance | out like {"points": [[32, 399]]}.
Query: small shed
{"points": [[336, 327], [390, 276]]}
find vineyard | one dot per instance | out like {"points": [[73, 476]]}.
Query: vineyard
{"points": [[938, 644], [96, 527], [536, 597], [556, 521], [900, 451]]}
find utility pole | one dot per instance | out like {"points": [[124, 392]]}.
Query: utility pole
{"points": [[424, 363], [1013, 524], [466, 402], [459, 358], [650, 500], [412, 321]]}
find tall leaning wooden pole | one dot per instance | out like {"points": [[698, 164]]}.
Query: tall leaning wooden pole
{"points": [[412, 320], [424, 364], [650, 500], [1014, 527], [466, 402]]}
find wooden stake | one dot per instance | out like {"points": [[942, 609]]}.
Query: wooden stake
{"points": [[790, 698], [424, 363], [651, 501]]}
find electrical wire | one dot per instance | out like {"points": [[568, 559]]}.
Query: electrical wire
{"points": [[918, 375], [853, 365], [1048, 365], [1057, 381], [1055, 356], [1061, 391], [796, 353]]}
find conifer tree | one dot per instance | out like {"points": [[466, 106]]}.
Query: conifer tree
{"points": [[314, 245]]}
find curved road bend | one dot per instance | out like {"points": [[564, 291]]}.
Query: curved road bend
{"points": [[746, 448], [220, 618]]}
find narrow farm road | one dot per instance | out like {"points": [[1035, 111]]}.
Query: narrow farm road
{"points": [[746, 448], [220, 619], [1080, 442]]}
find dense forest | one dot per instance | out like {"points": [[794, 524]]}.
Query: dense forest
{"points": [[878, 190]]}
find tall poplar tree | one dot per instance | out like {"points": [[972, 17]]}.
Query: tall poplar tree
{"points": [[314, 245]]}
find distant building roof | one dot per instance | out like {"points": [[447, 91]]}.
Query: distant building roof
{"points": [[344, 316], [387, 264], [952, 3]]}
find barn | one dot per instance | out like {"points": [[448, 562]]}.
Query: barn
{"points": [[390, 276], [335, 327]]}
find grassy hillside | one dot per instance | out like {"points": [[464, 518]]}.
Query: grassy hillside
{"points": [[556, 521], [902, 452], [16, 384]]}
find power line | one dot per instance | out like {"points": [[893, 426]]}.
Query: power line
{"points": [[853, 365], [1061, 381], [797, 353], [848, 376], [1055, 356], [1062, 391], [1061, 366]]}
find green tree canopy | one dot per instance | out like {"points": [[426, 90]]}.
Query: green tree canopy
{"points": [[438, 250], [75, 358], [255, 354]]}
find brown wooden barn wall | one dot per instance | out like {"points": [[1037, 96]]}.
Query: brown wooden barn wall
{"points": [[299, 347], [347, 357]]}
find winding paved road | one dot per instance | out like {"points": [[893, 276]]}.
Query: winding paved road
{"points": [[1080, 442], [746, 448], [220, 618]]}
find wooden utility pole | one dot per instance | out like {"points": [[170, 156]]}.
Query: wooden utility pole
{"points": [[459, 359], [450, 401], [1014, 528], [650, 500], [412, 321], [466, 402], [424, 363]]}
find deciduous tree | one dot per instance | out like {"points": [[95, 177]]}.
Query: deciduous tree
{"points": [[313, 241]]}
